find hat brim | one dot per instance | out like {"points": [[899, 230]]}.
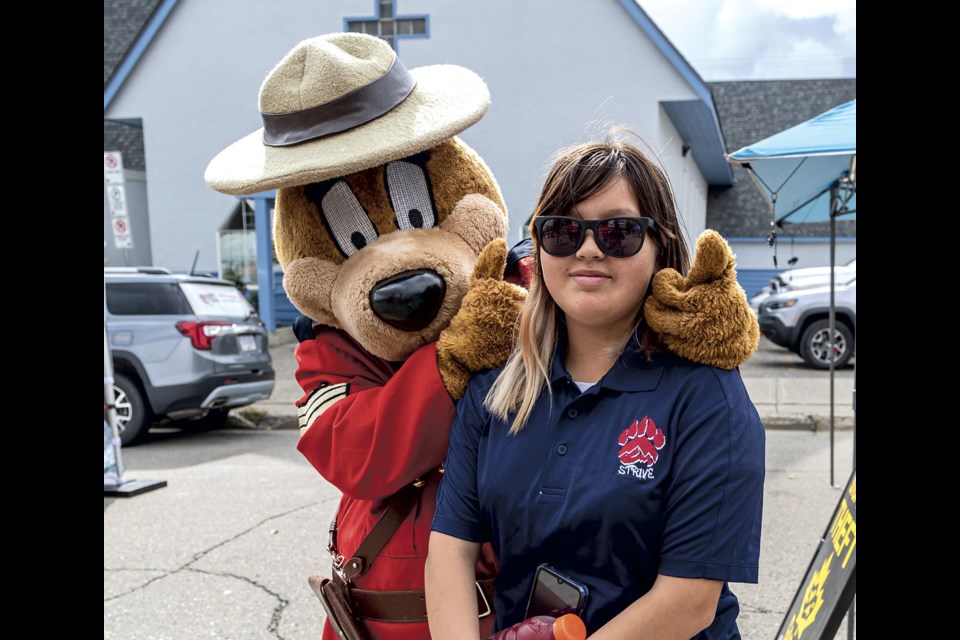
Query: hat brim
{"points": [[446, 100]]}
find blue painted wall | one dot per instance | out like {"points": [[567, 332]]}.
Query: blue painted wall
{"points": [[284, 313], [753, 280]]}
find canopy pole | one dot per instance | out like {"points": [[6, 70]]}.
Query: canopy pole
{"points": [[831, 353], [852, 179]]}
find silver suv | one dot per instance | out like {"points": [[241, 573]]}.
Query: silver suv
{"points": [[183, 347], [799, 320]]}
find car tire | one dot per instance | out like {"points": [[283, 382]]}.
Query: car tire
{"points": [[814, 345], [133, 416]]}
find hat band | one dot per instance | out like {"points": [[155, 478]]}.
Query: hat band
{"points": [[357, 107]]}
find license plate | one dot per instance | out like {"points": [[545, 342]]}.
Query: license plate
{"points": [[247, 343]]}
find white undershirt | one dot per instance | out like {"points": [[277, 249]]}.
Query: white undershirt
{"points": [[583, 386]]}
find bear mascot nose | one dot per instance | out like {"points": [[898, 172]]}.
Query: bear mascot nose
{"points": [[408, 300]]}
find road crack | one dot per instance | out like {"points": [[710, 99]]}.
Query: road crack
{"points": [[274, 625]]}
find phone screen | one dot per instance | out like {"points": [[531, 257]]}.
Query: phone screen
{"points": [[555, 595]]}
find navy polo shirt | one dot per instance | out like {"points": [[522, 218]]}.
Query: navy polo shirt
{"points": [[657, 468]]}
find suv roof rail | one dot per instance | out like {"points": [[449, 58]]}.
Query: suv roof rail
{"points": [[148, 270]]}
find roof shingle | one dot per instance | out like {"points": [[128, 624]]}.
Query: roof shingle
{"points": [[123, 20]]}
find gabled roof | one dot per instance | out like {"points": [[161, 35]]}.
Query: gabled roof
{"points": [[128, 27], [695, 120]]}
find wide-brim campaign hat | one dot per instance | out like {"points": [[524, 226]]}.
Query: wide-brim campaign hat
{"points": [[341, 103]]}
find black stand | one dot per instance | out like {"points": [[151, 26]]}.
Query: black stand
{"points": [[131, 488]]}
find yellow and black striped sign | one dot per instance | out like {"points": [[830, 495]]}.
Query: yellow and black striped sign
{"points": [[831, 579]]}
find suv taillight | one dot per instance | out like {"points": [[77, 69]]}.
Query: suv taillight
{"points": [[201, 334]]}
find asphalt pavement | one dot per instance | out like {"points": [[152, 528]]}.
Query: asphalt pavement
{"points": [[225, 549]]}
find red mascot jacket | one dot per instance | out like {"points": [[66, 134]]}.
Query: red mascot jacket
{"points": [[374, 427]]}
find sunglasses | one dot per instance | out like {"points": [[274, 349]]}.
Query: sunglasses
{"points": [[562, 236]]}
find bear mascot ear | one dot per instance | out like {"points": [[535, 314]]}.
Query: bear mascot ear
{"points": [[704, 317]]}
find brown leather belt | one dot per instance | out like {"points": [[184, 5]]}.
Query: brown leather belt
{"points": [[410, 606]]}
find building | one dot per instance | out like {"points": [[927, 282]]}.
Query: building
{"points": [[181, 79]]}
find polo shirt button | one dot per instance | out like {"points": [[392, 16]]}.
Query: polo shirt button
{"points": [[562, 450], [572, 413]]}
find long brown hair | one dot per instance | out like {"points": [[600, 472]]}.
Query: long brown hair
{"points": [[578, 173]]}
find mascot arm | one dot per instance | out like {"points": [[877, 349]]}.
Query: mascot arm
{"points": [[482, 334], [704, 317], [370, 430]]}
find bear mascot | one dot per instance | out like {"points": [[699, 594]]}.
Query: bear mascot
{"points": [[390, 233]]}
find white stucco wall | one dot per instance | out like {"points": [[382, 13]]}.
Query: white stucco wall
{"points": [[809, 252], [559, 72]]}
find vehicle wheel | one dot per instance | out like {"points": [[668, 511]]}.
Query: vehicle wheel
{"points": [[133, 416], [215, 419], [815, 345]]}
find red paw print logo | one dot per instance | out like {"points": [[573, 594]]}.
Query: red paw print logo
{"points": [[641, 442]]}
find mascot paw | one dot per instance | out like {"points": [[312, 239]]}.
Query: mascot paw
{"points": [[482, 334], [704, 317]]}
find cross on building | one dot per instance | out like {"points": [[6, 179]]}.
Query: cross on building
{"points": [[385, 24]]}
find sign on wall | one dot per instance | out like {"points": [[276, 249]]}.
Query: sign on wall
{"points": [[113, 179]]}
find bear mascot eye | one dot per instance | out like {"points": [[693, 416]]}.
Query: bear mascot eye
{"points": [[345, 218], [410, 195]]}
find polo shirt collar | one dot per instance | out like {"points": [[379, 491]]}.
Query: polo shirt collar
{"points": [[631, 372]]}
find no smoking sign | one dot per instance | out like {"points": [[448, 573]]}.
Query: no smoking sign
{"points": [[122, 238], [117, 197], [113, 167]]}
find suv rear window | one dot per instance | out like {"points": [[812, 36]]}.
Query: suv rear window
{"points": [[146, 299], [217, 300]]}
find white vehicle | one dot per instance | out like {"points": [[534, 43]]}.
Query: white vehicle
{"points": [[806, 278], [799, 321]]}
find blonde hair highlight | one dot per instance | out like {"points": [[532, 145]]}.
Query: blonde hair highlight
{"points": [[578, 173]]}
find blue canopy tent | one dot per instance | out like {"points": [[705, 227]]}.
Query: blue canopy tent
{"points": [[808, 173]]}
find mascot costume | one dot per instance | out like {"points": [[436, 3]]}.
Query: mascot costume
{"points": [[390, 233]]}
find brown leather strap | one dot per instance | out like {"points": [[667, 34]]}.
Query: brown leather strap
{"points": [[397, 509], [410, 606]]}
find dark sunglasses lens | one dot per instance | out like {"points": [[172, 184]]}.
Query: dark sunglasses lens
{"points": [[560, 237], [620, 237]]}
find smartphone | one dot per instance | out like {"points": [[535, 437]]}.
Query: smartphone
{"points": [[554, 594]]}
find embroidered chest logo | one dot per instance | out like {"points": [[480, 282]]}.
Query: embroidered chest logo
{"points": [[640, 445]]}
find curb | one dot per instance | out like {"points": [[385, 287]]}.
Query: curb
{"points": [[281, 336], [811, 423], [266, 422]]}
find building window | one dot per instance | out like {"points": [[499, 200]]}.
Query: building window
{"points": [[387, 25], [237, 246]]}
